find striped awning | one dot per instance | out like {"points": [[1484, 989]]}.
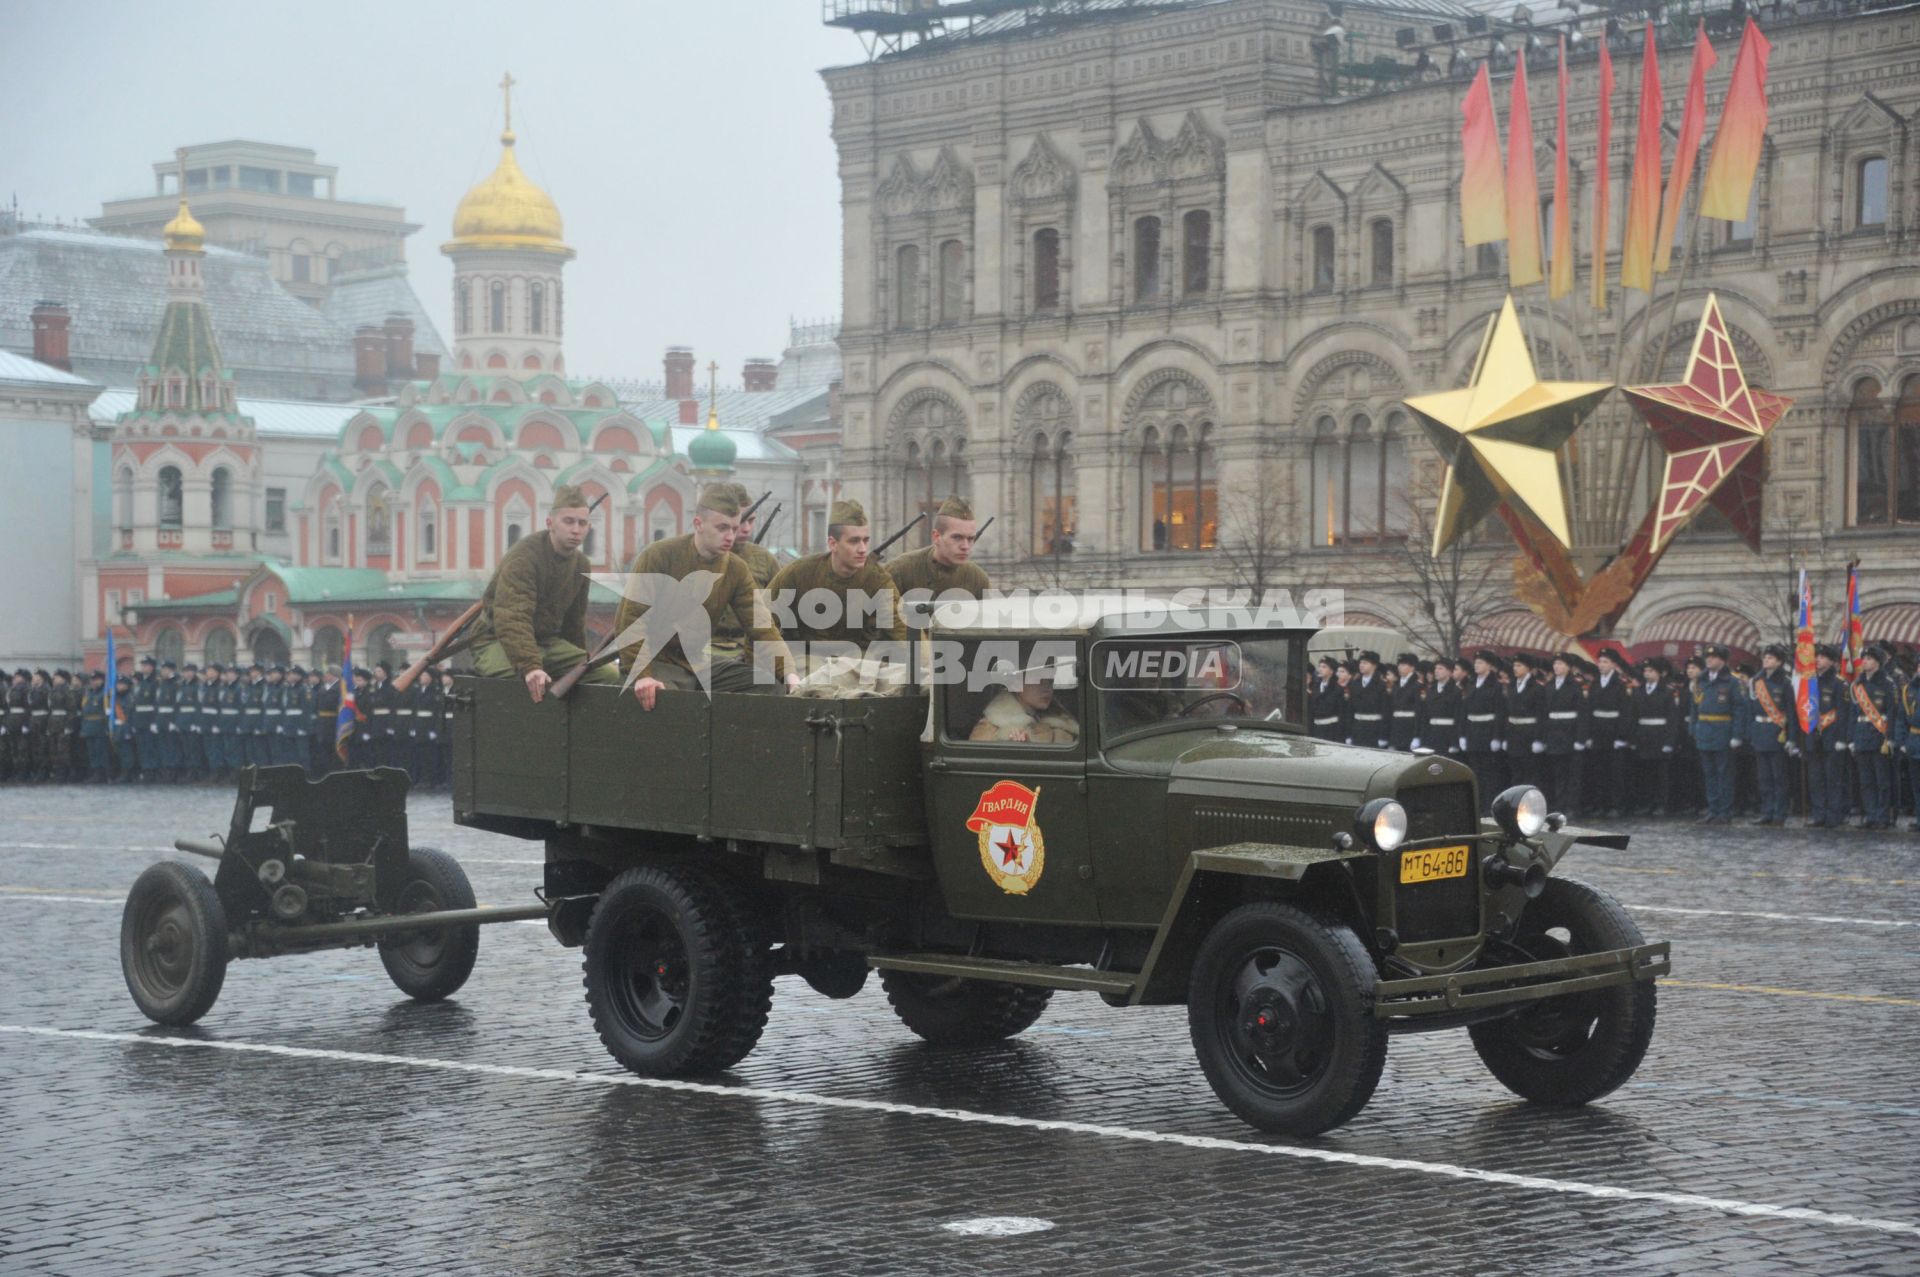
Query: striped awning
{"points": [[1356, 617], [1892, 623], [1516, 631], [1678, 632]]}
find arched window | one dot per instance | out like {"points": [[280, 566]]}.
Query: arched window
{"points": [[1870, 195], [1178, 489], [1383, 251], [379, 522], [953, 281], [516, 518], [1329, 483], [328, 647], [170, 645], [1046, 269], [536, 308], [1196, 252], [514, 532], [331, 530], [221, 645], [1146, 259], [123, 499], [1050, 494], [1323, 259], [497, 307], [463, 307], [1885, 447], [171, 499], [1360, 482], [221, 493], [429, 539], [906, 286], [933, 461]]}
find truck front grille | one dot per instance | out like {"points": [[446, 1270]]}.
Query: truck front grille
{"points": [[1439, 811], [1450, 908]]}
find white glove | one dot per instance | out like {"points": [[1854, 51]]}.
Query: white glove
{"points": [[1841, 747], [1579, 745], [1666, 749], [1539, 747], [1500, 745], [1619, 744], [1737, 742], [1793, 751], [1349, 740], [1416, 743], [1463, 744]]}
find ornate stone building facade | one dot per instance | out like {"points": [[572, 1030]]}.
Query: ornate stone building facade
{"points": [[1135, 285]]}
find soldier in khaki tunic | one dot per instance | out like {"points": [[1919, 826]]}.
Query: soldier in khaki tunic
{"points": [[867, 607], [534, 622], [928, 574], [708, 548], [759, 559]]}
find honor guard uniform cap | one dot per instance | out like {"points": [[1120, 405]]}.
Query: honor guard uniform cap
{"points": [[61, 674], [1827, 650], [1351, 667], [1778, 651], [1744, 670], [169, 665], [1407, 658], [1653, 663], [1878, 653], [1714, 649], [384, 667], [1573, 662], [1371, 658], [1613, 654], [848, 512], [1440, 662], [295, 669], [99, 674], [147, 660], [568, 497], [1523, 658], [1329, 662], [189, 668], [1488, 655]]}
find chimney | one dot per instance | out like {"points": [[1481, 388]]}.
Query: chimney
{"points": [[679, 365], [426, 365], [50, 324], [689, 412], [399, 333], [370, 359], [759, 375]]}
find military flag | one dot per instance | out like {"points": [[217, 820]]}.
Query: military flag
{"points": [[1483, 210], [1727, 190], [1853, 638], [1602, 175], [347, 721], [113, 680], [1693, 124], [1806, 681], [1560, 274], [1643, 192], [1523, 187]]}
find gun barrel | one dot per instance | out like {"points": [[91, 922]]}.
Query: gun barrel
{"points": [[199, 847]]}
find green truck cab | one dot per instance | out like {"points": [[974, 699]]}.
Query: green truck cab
{"points": [[1121, 805]]}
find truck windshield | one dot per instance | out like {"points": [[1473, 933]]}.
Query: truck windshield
{"points": [[1143, 683]]}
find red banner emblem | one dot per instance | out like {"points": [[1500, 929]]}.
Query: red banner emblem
{"points": [[1012, 849], [1007, 803]]}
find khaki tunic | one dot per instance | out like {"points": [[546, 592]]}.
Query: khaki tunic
{"points": [[919, 570], [537, 595], [729, 636], [815, 572], [1007, 719], [732, 596]]}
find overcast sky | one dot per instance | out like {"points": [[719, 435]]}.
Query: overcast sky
{"points": [[686, 144]]}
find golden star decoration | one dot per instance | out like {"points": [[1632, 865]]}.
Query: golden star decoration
{"points": [[1712, 426], [1500, 435]]}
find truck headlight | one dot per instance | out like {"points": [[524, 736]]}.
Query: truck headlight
{"points": [[1521, 812], [1382, 824]]}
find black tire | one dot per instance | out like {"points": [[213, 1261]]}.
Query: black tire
{"points": [[676, 982], [1571, 1050], [428, 966], [173, 943], [1280, 1007], [948, 1011]]}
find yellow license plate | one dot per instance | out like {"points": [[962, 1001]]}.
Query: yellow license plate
{"points": [[1433, 864]]}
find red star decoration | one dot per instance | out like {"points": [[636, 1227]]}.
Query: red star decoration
{"points": [[1713, 427], [1009, 849]]}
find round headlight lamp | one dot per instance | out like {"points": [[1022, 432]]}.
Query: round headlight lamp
{"points": [[1521, 812], [1381, 824]]}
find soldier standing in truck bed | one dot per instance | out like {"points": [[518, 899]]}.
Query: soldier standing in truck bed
{"points": [[533, 617], [730, 631], [708, 548], [946, 564], [865, 608]]}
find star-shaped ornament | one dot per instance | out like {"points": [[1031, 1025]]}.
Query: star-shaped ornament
{"points": [[1501, 433], [1713, 427], [1010, 849]]}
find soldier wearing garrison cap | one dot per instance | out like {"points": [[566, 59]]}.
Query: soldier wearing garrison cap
{"points": [[729, 632], [533, 617], [709, 549], [759, 559], [947, 562], [865, 608]]}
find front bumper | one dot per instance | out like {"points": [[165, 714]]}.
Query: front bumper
{"points": [[1519, 982]]}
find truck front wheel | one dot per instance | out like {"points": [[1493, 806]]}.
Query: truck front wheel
{"points": [[948, 1011], [1572, 1049], [676, 982], [1280, 1006]]}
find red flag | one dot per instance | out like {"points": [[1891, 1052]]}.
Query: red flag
{"points": [[1523, 188], [1602, 173], [1693, 123], [1560, 278], [1643, 193], [1727, 189], [1483, 213]]}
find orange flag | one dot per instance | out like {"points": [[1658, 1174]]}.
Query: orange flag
{"points": [[1693, 124], [1560, 278], [1483, 213], [1523, 187], [1602, 174], [1643, 193], [1727, 190]]}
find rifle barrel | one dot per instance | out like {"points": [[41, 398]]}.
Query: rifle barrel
{"points": [[911, 525]]}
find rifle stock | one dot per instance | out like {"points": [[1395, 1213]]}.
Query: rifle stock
{"points": [[601, 655], [441, 648]]}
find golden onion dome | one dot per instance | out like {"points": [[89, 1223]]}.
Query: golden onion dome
{"points": [[184, 233], [508, 211]]}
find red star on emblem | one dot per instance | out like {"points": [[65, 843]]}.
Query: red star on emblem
{"points": [[1713, 427], [1009, 849]]}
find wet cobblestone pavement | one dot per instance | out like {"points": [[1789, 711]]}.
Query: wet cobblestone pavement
{"points": [[317, 1122]]}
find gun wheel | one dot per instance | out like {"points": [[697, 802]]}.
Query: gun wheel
{"points": [[173, 943], [428, 966]]}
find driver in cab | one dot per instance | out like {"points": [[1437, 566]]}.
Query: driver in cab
{"points": [[1025, 709]]}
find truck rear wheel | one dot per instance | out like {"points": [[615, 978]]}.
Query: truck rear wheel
{"points": [[676, 982], [948, 1011], [173, 943], [1280, 1006], [1573, 1049], [428, 966]]}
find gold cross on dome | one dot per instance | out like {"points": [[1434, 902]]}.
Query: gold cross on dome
{"points": [[506, 89]]}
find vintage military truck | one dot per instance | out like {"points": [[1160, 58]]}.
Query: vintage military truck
{"points": [[1121, 805]]}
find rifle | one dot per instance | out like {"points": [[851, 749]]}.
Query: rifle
{"points": [[982, 529], [748, 512], [767, 527], [881, 549], [602, 654], [447, 645]]}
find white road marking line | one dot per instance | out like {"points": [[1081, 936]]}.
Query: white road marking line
{"points": [[998, 1226], [36, 898], [1778, 917], [1442, 1170]]}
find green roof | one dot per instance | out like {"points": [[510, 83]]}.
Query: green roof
{"points": [[218, 598]]}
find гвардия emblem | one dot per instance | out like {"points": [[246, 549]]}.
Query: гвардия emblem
{"points": [[1010, 843]]}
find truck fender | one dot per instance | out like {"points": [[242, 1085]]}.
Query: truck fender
{"points": [[1193, 908]]}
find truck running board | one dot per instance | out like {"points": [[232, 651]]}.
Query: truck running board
{"points": [[1084, 979]]}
